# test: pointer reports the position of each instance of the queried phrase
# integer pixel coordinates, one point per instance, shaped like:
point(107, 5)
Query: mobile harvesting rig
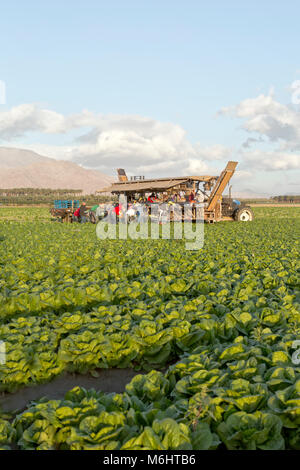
point(216, 206)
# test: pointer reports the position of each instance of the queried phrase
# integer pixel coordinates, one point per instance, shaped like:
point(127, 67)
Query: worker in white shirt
point(130, 213)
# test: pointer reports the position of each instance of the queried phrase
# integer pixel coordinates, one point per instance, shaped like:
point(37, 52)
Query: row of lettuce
point(236, 401)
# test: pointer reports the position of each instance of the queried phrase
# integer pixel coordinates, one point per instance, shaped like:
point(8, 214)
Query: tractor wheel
point(244, 214)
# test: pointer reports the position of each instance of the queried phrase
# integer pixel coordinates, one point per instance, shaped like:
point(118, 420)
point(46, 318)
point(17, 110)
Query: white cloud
point(241, 175)
point(198, 167)
point(214, 152)
point(269, 118)
point(271, 161)
point(28, 117)
point(271, 122)
point(136, 143)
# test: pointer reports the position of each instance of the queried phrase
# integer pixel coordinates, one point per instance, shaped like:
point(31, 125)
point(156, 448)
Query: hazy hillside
point(26, 169)
point(14, 157)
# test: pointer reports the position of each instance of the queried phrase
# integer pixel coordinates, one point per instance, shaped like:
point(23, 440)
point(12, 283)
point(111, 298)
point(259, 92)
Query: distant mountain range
point(26, 169)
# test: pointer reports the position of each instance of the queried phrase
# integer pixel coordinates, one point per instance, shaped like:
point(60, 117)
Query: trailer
point(63, 211)
point(180, 189)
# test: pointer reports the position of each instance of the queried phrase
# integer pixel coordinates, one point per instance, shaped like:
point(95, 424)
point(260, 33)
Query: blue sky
point(164, 62)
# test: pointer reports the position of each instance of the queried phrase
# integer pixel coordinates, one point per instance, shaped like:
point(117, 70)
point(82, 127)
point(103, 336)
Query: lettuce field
point(211, 335)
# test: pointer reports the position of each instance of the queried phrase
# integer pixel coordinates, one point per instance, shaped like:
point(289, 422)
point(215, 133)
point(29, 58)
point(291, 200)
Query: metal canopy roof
point(152, 184)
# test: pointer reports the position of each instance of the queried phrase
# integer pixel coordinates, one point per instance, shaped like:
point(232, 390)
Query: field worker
point(92, 214)
point(192, 197)
point(77, 214)
point(130, 213)
point(100, 212)
point(94, 208)
point(182, 195)
point(160, 213)
point(199, 196)
point(164, 212)
point(151, 198)
point(83, 213)
point(142, 213)
point(138, 210)
point(117, 209)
